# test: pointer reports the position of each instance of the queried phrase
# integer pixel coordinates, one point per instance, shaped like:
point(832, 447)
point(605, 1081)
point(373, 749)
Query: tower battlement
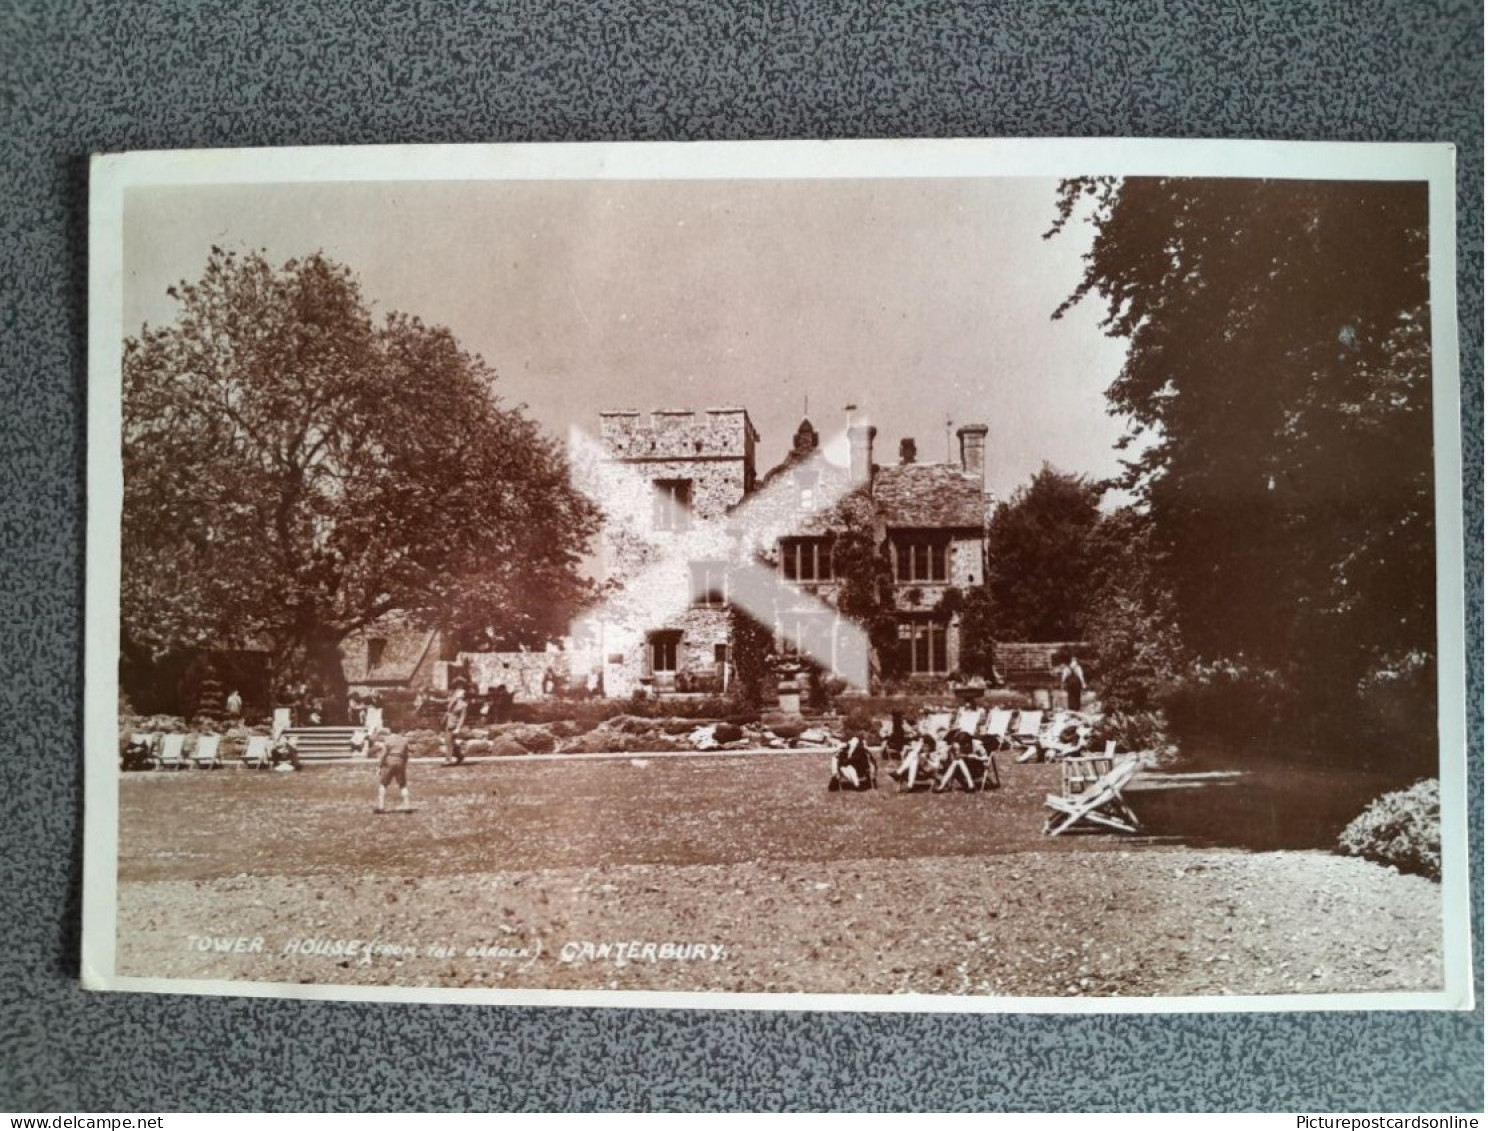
point(679, 434)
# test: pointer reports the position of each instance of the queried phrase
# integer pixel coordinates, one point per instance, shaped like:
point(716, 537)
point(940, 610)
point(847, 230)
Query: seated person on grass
point(285, 752)
point(1063, 741)
point(852, 766)
point(137, 753)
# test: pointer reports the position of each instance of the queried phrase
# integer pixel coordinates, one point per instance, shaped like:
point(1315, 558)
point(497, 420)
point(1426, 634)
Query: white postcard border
point(111, 175)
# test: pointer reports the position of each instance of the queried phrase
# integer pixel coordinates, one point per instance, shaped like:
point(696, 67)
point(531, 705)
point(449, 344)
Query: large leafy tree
point(1038, 569)
point(1127, 616)
point(295, 470)
point(1278, 382)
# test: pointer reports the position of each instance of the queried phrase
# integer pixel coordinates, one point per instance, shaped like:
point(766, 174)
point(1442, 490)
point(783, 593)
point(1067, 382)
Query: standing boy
point(392, 767)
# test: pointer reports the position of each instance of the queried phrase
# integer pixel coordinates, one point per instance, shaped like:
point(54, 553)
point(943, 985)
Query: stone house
point(693, 530)
point(392, 655)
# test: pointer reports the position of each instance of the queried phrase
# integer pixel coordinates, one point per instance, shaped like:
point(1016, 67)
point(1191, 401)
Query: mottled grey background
point(78, 78)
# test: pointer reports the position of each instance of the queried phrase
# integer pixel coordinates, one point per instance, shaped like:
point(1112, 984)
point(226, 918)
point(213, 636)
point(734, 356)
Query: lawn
point(507, 870)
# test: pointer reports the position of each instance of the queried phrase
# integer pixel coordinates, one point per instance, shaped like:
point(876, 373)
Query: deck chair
point(171, 753)
point(922, 764)
point(281, 720)
point(994, 733)
point(206, 756)
point(1099, 804)
point(981, 767)
point(1026, 736)
point(968, 719)
point(373, 722)
point(936, 723)
point(1078, 774)
point(256, 752)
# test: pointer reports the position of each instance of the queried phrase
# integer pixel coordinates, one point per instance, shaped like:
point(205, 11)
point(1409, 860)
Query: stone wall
point(523, 672)
point(714, 452)
point(967, 561)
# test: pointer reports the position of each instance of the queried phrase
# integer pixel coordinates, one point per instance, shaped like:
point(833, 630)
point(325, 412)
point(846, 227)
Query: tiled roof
point(929, 494)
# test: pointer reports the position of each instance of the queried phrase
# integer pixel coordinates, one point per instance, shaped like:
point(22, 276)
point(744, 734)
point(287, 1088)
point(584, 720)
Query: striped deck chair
point(206, 756)
point(256, 752)
point(171, 753)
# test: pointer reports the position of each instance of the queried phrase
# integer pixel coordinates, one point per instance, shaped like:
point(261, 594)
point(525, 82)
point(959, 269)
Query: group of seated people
point(946, 760)
point(957, 749)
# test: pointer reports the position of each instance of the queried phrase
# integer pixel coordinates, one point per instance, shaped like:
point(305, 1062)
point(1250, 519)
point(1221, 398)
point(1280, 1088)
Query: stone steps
point(316, 743)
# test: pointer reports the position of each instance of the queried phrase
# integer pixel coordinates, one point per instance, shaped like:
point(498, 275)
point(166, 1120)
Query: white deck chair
point(256, 752)
point(206, 756)
point(171, 753)
point(995, 729)
point(1100, 803)
point(1026, 735)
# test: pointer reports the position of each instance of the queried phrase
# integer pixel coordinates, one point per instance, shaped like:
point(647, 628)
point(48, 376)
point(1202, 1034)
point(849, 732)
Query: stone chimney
point(860, 440)
point(973, 439)
point(907, 450)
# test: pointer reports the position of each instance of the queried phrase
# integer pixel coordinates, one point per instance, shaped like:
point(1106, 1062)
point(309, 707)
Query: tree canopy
point(1278, 387)
point(295, 470)
point(1038, 572)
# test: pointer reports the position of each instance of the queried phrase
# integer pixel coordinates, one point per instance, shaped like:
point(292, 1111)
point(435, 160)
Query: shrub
point(1228, 701)
point(1131, 730)
point(1402, 829)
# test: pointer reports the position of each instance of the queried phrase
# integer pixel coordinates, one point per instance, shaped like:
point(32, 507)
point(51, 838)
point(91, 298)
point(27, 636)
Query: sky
point(920, 301)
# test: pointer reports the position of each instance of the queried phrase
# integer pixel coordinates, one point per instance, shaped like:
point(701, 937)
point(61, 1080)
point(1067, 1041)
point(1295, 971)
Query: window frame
point(708, 579)
point(921, 558)
point(925, 643)
point(671, 508)
point(822, 568)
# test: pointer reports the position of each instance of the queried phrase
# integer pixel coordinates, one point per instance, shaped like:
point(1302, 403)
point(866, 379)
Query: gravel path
point(1149, 921)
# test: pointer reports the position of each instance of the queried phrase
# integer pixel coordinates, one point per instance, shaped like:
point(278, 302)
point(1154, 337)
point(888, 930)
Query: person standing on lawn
point(454, 719)
point(392, 767)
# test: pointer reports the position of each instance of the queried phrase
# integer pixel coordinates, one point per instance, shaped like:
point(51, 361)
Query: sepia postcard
point(885, 575)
